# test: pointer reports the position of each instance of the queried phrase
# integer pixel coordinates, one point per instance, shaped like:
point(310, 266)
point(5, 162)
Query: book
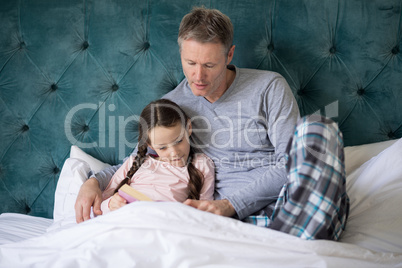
point(131, 194)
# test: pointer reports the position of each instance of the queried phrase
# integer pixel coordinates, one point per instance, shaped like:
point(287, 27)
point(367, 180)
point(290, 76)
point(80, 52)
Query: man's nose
point(198, 73)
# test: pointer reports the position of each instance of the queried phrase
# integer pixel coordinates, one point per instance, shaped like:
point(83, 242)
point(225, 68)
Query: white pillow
point(374, 190)
point(95, 164)
point(355, 156)
point(73, 174)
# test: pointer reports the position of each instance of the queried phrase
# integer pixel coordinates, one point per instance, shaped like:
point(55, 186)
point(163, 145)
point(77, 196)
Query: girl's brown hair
point(163, 113)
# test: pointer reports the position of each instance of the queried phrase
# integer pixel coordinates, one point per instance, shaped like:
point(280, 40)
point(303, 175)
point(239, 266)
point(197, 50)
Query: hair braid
point(138, 161)
point(196, 180)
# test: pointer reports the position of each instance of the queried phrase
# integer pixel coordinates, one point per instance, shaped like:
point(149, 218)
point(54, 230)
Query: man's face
point(204, 65)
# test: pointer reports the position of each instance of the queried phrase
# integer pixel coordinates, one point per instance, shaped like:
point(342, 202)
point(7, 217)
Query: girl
point(176, 173)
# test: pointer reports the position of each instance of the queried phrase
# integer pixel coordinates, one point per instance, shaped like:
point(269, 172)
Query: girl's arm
point(105, 206)
point(112, 203)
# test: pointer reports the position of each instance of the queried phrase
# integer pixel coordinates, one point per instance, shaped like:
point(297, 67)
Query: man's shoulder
point(256, 81)
point(258, 73)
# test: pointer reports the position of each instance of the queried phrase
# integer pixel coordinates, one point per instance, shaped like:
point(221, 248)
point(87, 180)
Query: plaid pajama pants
point(313, 204)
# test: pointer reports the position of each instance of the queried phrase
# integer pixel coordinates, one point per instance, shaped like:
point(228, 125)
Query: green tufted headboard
point(80, 71)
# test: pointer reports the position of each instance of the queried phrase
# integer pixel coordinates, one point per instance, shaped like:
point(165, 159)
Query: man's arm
point(219, 207)
point(90, 194)
point(104, 176)
point(262, 191)
point(282, 114)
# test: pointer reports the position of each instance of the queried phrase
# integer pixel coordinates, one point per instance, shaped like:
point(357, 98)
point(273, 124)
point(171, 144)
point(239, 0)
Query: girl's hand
point(116, 202)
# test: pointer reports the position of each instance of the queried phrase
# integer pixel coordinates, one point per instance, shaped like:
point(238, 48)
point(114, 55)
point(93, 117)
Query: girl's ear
point(189, 127)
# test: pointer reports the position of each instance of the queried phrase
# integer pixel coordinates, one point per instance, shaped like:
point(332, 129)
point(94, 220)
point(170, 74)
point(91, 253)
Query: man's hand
point(88, 196)
point(218, 207)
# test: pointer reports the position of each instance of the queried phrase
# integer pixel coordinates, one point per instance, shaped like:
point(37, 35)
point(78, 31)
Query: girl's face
point(171, 143)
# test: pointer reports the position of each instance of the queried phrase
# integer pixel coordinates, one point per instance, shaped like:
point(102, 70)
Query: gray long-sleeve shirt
point(245, 132)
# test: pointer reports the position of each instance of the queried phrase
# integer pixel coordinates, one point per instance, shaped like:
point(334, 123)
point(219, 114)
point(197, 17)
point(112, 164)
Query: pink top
point(161, 181)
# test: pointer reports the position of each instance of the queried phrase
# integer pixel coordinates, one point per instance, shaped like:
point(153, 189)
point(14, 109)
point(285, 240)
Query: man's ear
point(230, 55)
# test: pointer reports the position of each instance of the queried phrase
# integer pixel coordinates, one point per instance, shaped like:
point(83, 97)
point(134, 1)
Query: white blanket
point(149, 234)
point(166, 234)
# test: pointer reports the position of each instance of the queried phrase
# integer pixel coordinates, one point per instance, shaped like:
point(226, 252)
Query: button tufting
point(332, 50)
point(146, 45)
point(391, 135)
point(54, 87)
point(56, 170)
point(27, 209)
point(115, 87)
point(360, 91)
point(300, 92)
point(22, 45)
point(395, 50)
point(85, 45)
point(270, 47)
point(25, 128)
point(85, 128)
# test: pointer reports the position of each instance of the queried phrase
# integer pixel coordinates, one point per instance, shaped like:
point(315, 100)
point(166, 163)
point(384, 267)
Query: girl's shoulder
point(201, 156)
point(149, 160)
point(201, 159)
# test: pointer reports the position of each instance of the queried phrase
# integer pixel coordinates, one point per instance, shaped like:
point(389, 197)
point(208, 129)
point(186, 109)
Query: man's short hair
point(206, 25)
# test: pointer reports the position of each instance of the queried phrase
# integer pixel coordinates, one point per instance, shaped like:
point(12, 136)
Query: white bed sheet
point(16, 227)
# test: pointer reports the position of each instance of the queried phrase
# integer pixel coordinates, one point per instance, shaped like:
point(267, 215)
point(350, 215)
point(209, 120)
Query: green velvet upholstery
point(80, 71)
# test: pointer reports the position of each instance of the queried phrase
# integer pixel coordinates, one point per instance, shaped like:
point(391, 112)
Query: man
point(243, 120)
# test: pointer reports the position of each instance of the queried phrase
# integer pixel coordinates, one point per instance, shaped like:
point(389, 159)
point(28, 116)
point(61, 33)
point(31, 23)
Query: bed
point(168, 234)
point(74, 75)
